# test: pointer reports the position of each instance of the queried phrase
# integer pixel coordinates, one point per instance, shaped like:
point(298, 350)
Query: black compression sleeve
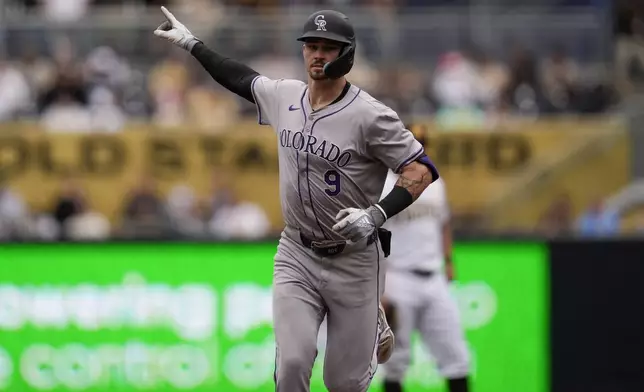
point(231, 74)
point(397, 200)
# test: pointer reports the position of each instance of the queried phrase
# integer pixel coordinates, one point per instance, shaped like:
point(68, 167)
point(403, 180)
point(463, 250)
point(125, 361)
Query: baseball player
point(335, 146)
point(416, 293)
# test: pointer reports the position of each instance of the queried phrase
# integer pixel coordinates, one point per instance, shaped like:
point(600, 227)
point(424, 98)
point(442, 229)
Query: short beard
point(314, 75)
point(318, 75)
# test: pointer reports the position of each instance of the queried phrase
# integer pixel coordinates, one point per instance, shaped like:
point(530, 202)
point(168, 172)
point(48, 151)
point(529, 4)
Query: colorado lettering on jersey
point(312, 145)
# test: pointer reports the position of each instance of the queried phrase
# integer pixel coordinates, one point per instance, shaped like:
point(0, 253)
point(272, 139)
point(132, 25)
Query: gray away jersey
point(333, 158)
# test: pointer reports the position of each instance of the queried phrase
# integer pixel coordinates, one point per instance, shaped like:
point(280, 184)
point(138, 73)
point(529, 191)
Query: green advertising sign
point(197, 317)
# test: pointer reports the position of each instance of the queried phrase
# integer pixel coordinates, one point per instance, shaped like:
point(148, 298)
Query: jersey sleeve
point(391, 143)
point(265, 94)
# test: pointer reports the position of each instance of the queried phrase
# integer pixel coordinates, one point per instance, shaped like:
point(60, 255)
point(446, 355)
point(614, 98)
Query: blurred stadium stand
point(532, 109)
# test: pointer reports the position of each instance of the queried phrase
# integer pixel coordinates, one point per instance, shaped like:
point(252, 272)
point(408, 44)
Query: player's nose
point(318, 60)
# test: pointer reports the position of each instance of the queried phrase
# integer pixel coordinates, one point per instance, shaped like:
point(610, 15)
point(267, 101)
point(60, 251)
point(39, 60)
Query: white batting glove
point(175, 32)
point(356, 224)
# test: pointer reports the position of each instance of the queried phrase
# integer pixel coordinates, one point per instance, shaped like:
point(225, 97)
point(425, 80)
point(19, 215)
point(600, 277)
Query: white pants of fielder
point(424, 304)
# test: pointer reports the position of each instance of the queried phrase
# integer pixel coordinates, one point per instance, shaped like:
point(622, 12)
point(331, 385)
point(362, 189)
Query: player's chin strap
point(341, 65)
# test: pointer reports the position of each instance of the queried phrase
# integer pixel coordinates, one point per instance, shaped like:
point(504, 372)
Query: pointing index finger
point(169, 15)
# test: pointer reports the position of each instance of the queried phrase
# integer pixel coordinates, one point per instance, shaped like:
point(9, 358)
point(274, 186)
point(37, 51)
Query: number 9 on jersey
point(332, 179)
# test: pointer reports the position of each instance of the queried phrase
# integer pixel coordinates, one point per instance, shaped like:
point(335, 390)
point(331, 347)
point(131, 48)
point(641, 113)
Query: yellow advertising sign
point(481, 167)
point(477, 166)
point(108, 166)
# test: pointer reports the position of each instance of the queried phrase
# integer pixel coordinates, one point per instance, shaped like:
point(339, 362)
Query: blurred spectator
point(64, 10)
point(240, 220)
point(88, 225)
point(40, 72)
point(181, 202)
point(231, 217)
point(410, 96)
point(456, 88)
point(629, 49)
point(103, 67)
point(190, 215)
point(65, 114)
point(523, 95)
point(74, 218)
point(69, 203)
point(14, 213)
point(109, 78)
point(558, 218)
point(68, 87)
point(42, 227)
point(560, 75)
point(599, 221)
point(14, 92)
point(494, 77)
point(455, 83)
point(167, 82)
point(221, 193)
point(144, 214)
point(105, 114)
point(135, 98)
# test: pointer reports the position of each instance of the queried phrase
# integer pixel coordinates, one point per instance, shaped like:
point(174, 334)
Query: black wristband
point(397, 200)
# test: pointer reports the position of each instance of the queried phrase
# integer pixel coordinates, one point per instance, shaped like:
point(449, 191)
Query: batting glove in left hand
point(356, 224)
point(175, 32)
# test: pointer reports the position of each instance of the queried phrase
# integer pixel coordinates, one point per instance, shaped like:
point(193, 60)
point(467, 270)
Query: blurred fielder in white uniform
point(416, 289)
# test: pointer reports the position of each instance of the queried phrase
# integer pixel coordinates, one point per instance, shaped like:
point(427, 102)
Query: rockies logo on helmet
point(320, 23)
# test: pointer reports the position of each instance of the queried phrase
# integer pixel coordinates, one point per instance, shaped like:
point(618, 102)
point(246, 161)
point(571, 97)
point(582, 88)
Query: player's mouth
point(317, 67)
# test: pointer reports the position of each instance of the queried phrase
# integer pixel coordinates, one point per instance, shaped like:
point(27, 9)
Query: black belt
point(329, 248)
point(422, 273)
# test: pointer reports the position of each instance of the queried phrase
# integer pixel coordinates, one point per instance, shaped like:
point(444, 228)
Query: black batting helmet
point(334, 26)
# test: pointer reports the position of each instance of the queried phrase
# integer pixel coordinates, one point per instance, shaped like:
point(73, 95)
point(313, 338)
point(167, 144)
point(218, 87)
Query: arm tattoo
point(414, 186)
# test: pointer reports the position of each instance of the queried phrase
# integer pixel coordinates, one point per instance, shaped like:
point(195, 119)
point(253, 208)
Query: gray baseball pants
point(347, 289)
